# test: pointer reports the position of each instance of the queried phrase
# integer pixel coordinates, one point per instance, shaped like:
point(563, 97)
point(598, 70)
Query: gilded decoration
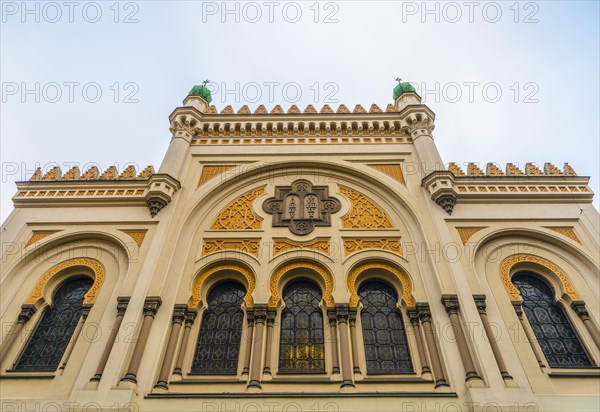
point(137, 235)
point(513, 292)
point(301, 207)
point(322, 245)
point(250, 246)
point(276, 297)
point(568, 232)
point(407, 297)
point(364, 213)
point(197, 288)
point(89, 297)
point(210, 171)
point(392, 170)
point(352, 245)
point(239, 215)
point(465, 233)
point(36, 236)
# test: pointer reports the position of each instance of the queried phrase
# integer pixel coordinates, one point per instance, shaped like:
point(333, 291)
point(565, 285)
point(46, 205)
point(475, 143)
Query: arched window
point(302, 348)
point(550, 324)
point(218, 348)
point(48, 343)
point(386, 348)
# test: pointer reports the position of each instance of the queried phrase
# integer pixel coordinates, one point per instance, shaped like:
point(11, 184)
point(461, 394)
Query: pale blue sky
point(174, 45)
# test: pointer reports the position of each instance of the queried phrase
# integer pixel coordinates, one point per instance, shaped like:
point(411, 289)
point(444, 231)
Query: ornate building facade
point(302, 261)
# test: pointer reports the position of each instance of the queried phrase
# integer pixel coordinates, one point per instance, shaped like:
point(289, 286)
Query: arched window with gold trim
point(47, 344)
point(553, 330)
point(386, 347)
point(218, 348)
point(302, 341)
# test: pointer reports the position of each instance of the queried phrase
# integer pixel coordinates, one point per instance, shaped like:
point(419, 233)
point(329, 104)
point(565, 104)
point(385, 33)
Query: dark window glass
point(218, 348)
point(386, 348)
point(302, 347)
point(48, 343)
point(550, 324)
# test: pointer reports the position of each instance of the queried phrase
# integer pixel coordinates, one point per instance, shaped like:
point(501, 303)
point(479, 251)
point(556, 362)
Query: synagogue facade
point(302, 260)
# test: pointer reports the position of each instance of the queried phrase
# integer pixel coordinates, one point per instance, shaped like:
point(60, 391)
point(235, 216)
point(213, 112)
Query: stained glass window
point(48, 343)
point(386, 347)
point(550, 324)
point(302, 348)
point(218, 348)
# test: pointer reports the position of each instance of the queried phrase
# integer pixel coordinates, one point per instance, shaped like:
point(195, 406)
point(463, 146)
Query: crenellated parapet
point(94, 188)
point(530, 169)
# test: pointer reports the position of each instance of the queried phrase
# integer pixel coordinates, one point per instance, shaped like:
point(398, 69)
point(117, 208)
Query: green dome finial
point(202, 91)
point(402, 87)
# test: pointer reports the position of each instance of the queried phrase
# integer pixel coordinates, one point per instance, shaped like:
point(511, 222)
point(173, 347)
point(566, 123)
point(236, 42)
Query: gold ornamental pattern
point(197, 288)
point(352, 245)
point(326, 276)
point(322, 245)
point(407, 297)
point(239, 215)
point(211, 171)
point(250, 246)
point(364, 213)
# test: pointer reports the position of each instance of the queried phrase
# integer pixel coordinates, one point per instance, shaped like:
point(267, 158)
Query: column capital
point(518, 308)
point(352, 312)
point(179, 312)
point(271, 315)
point(579, 308)
point(122, 303)
point(190, 316)
point(343, 312)
point(151, 305)
point(27, 311)
point(332, 316)
point(424, 312)
point(450, 302)
point(260, 313)
point(413, 316)
point(480, 304)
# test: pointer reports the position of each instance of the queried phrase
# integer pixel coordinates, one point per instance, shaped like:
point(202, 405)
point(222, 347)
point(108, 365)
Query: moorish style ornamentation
point(364, 213)
point(513, 292)
point(301, 207)
point(326, 276)
point(407, 297)
point(392, 170)
point(92, 293)
point(465, 233)
point(239, 215)
point(566, 231)
point(250, 246)
point(197, 288)
point(352, 245)
point(36, 236)
point(322, 245)
point(211, 171)
point(137, 235)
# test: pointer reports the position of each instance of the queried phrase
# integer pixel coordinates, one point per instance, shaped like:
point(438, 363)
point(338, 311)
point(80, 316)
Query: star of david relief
point(301, 207)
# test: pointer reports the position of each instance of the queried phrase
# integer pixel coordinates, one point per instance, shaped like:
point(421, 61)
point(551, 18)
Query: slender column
point(353, 339)
point(27, 311)
point(579, 307)
point(452, 307)
point(481, 308)
point(345, 351)
point(260, 317)
point(413, 315)
point(151, 305)
point(335, 360)
point(528, 333)
point(190, 316)
point(271, 313)
point(75, 336)
point(436, 364)
point(177, 320)
point(122, 303)
point(249, 339)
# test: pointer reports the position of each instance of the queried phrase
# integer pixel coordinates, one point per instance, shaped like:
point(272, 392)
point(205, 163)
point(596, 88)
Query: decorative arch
point(326, 276)
point(513, 292)
point(89, 297)
point(407, 297)
point(197, 288)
